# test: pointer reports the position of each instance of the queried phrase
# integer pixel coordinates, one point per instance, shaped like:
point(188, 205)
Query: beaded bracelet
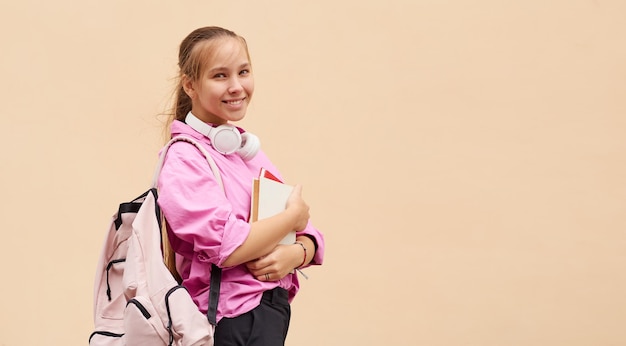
point(304, 258)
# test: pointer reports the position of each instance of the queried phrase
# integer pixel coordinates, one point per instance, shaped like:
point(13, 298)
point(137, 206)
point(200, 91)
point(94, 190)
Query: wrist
point(304, 255)
point(292, 215)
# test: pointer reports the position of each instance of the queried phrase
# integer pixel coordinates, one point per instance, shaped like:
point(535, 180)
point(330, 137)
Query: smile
point(234, 102)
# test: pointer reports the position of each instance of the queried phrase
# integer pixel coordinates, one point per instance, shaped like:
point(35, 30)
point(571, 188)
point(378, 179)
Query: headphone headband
point(198, 125)
point(226, 139)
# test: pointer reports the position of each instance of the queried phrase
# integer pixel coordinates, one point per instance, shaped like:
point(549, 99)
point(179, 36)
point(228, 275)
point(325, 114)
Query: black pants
point(265, 325)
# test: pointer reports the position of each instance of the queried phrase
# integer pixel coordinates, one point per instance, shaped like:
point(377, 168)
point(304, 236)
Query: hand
point(298, 206)
point(277, 264)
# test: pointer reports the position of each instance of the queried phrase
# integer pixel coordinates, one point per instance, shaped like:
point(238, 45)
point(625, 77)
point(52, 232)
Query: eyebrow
point(222, 68)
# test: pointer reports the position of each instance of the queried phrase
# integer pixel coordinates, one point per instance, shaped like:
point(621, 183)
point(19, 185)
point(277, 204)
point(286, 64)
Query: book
point(269, 197)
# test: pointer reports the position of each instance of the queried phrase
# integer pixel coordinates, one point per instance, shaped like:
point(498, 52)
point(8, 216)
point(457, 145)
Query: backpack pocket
point(104, 338)
point(142, 324)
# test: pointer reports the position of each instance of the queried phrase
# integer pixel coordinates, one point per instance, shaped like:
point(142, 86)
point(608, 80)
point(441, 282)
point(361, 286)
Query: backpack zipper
point(109, 267)
point(101, 332)
point(141, 308)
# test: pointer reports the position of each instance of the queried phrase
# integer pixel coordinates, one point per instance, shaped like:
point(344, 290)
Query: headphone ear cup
point(226, 139)
point(250, 146)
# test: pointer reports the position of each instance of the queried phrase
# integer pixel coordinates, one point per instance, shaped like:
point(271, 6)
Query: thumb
point(297, 190)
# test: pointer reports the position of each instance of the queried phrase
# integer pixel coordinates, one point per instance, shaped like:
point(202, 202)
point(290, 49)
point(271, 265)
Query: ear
point(189, 87)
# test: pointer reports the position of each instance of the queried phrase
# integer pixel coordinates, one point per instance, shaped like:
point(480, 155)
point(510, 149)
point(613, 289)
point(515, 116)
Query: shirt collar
point(180, 128)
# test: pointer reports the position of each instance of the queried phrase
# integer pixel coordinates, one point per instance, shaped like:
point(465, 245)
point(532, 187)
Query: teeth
point(235, 102)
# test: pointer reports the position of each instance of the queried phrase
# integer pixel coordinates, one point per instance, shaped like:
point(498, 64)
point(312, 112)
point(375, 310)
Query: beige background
point(465, 159)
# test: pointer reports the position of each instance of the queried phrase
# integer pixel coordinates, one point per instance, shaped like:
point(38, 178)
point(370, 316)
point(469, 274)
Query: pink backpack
point(137, 300)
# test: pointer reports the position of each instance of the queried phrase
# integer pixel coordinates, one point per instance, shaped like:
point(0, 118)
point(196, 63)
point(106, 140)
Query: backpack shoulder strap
point(159, 166)
point(216, 272)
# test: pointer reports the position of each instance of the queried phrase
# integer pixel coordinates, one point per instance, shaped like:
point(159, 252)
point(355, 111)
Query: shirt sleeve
point(196, 209)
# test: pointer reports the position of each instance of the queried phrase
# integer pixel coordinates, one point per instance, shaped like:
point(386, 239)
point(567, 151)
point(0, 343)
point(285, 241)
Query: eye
point(244, 72)
point(219, 75)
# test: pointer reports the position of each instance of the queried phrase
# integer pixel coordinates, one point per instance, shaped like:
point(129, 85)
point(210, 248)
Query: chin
point(236, 117)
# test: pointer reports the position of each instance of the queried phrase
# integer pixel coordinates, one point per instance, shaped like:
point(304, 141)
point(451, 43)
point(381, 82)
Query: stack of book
point(269, 197)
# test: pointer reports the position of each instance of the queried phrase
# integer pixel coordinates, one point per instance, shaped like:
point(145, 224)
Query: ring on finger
point(267, 276)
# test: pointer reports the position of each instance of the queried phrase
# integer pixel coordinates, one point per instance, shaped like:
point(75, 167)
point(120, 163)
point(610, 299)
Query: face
point(223, 91)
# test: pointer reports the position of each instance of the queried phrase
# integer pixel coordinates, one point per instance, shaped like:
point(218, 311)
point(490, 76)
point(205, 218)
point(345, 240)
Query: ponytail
point(182, 105)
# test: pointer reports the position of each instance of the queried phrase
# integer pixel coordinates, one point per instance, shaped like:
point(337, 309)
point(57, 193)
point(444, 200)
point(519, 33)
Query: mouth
point(234, 102)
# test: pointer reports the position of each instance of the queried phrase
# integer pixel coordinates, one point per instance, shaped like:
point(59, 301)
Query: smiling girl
point(209, 226)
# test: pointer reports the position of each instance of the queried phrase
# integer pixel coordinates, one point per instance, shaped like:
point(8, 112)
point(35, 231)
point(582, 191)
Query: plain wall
point(465, 159)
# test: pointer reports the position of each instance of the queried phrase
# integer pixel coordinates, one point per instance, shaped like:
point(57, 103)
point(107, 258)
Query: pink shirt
point(206, 226)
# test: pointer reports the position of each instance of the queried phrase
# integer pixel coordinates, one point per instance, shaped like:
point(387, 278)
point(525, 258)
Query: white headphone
point(226, 139)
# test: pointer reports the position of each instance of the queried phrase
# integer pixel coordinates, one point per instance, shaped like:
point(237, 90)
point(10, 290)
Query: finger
point(259, 265)
point(263, 277)
point(298, 188)
point(259, 262)
point(253, 265)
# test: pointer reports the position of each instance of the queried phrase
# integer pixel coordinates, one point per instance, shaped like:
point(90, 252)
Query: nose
point(235, 86)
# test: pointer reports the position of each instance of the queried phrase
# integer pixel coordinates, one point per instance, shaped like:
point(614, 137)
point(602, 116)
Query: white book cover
point(272, 199)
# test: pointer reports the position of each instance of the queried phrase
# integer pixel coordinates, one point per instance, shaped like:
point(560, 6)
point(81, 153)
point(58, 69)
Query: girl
point(207, 226)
